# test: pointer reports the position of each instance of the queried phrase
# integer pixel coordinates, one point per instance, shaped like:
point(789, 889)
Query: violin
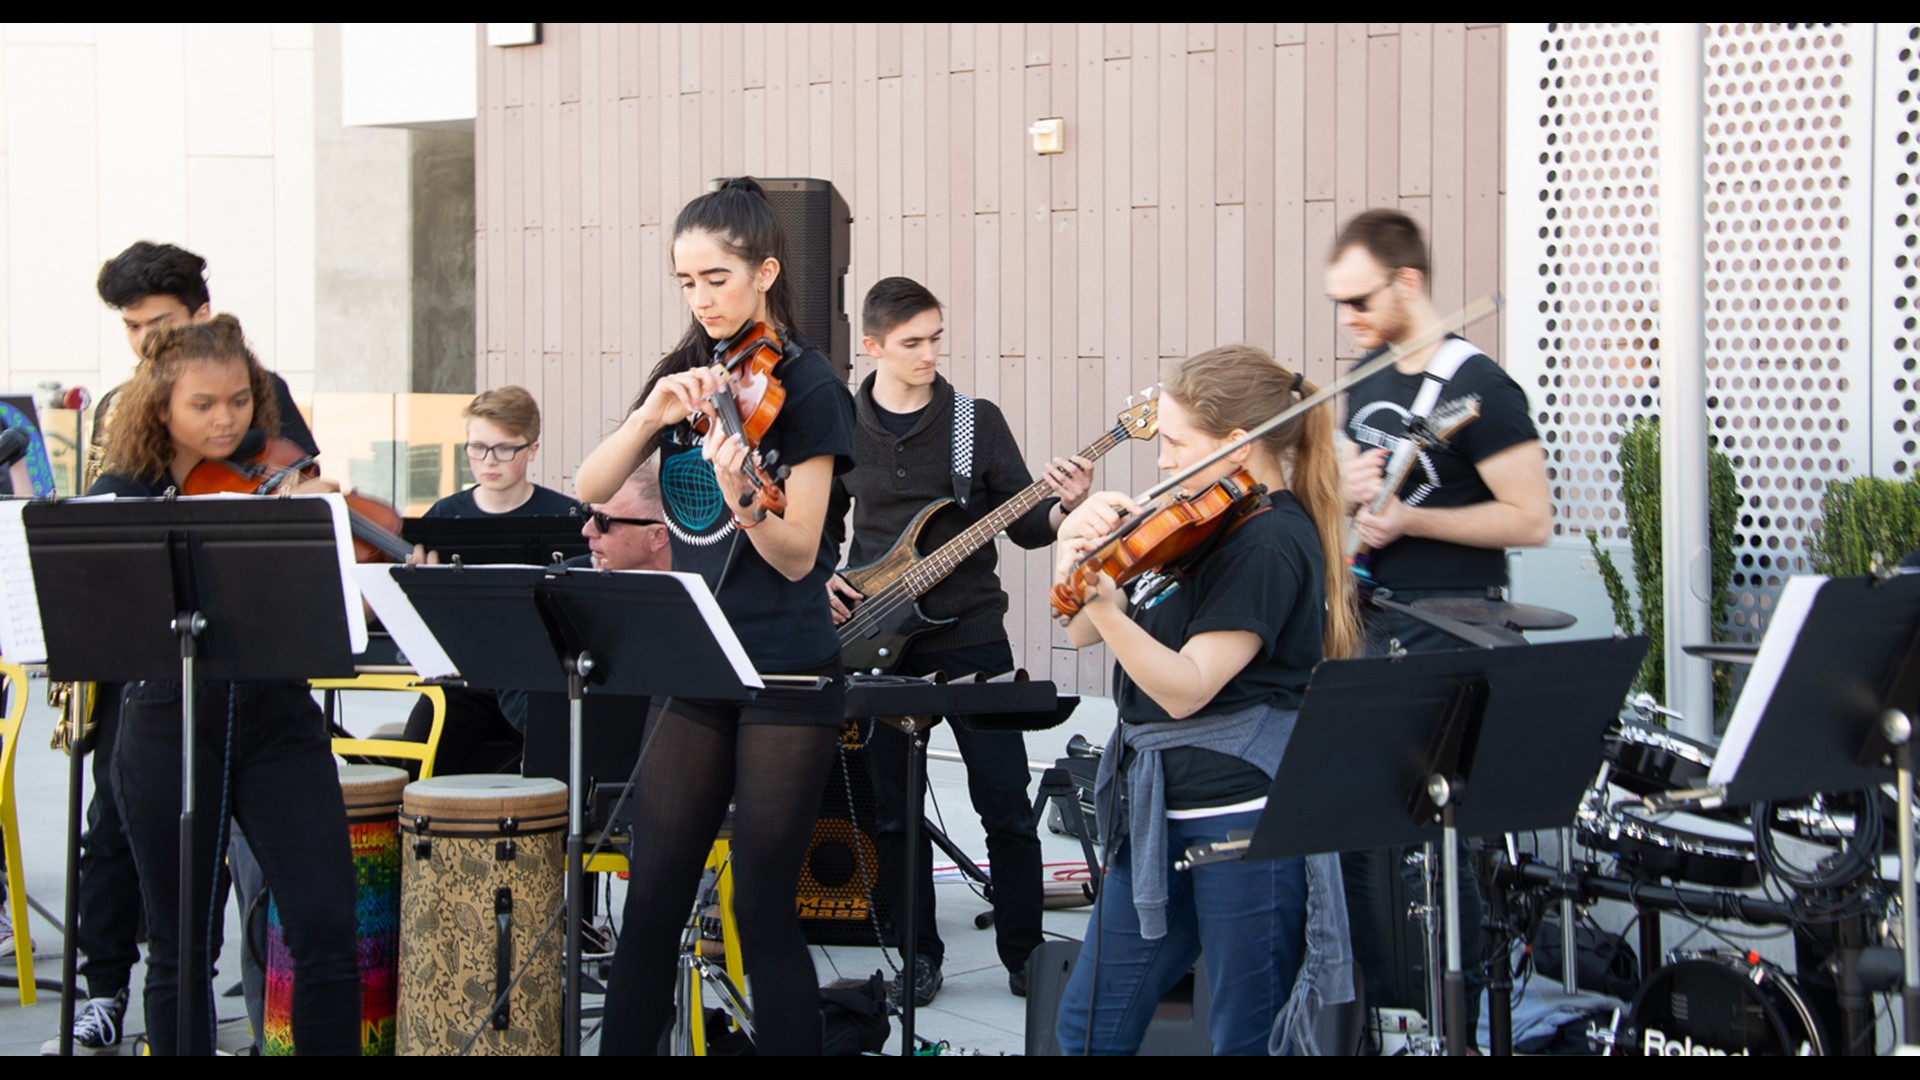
point(748, 401)
point(1182, 526)
point(265, 463)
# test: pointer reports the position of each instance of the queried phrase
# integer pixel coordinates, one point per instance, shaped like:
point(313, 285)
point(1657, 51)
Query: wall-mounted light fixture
point(502, 35)
point(1049, 135)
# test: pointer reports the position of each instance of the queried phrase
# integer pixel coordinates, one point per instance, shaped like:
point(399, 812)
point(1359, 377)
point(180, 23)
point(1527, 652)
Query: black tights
point(774, 774)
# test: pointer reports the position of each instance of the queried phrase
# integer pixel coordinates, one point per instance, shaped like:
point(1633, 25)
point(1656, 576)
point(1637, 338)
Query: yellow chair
point(15, 678)
point(393, 748)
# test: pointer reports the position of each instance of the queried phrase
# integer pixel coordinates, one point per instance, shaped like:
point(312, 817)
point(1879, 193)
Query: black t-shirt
point(898, 423)
point(1377, 411)
point(785, 625)
point(1267, 577)
point(130, 487)
point(545, 502)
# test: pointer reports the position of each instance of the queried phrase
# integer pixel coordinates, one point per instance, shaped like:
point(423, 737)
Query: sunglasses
point(1359, 303)
point(605, 522)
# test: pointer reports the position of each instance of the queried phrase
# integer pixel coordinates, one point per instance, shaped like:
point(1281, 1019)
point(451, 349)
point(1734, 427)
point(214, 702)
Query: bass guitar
point(1422, 436)
point(882, 626)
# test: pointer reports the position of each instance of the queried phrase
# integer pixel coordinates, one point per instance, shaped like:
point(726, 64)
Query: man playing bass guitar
point(917, 440)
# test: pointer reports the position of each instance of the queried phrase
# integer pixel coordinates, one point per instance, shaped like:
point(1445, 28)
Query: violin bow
point(1454, 323)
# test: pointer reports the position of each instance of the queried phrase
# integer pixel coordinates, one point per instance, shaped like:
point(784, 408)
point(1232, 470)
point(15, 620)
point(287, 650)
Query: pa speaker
point(818, 228)
point(839, 894)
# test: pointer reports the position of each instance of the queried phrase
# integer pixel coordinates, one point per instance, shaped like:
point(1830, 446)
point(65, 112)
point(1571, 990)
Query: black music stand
point(532, 541)
point(198, 589)
point(1830, 706)
point(1010, 702)
point(1416, 748)
point(632, 633)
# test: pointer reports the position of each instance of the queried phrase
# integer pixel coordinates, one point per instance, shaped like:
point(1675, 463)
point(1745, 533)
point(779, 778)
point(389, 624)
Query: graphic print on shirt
point(696, 507)
point(1366, 434)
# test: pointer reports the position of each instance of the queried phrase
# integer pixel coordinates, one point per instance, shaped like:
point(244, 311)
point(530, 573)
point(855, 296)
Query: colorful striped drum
point(372, 794)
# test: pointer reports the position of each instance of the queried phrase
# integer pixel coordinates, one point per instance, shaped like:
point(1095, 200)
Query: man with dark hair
point(154, 285)
point(151, 286)
point(1446, 530)
point(905, 455)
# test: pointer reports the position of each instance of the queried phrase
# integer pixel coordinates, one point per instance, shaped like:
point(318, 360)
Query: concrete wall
point(200, 135)
point(442, 262)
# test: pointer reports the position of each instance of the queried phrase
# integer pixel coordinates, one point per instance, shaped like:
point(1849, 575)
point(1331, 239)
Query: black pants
point(477, 737)
point(283, 788)
point(1364, 891)
point(997, 778)
point(773, 770)
point(109, 904)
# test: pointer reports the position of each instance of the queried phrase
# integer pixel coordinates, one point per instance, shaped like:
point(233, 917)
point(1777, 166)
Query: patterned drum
point(482, 874)
point(372, 794)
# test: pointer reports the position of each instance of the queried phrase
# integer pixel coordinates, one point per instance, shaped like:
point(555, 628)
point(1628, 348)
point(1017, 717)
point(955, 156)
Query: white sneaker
point(96, 1027)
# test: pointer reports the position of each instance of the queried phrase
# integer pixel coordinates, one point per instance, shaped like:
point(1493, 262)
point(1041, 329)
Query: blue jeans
point(1249, 918)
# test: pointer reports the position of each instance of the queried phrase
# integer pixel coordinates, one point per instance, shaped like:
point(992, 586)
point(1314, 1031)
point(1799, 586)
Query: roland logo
point(1654, 1043)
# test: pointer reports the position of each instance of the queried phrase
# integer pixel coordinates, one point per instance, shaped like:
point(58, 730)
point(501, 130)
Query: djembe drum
point(483, 866)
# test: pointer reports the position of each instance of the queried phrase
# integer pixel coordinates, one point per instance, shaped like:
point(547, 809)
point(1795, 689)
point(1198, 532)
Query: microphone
point(76, 398)
point(14, 444)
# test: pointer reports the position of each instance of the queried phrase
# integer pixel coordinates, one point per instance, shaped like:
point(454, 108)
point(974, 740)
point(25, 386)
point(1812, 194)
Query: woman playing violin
point(1212, 656)
point(262, 753)
point(770, 756)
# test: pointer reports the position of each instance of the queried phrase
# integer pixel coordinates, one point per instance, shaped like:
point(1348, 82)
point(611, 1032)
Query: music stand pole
point(188, 625)
point(578, 667)
point(910, 865)
point(69, 946)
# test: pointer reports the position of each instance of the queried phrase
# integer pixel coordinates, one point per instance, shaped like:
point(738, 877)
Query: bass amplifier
point(839, 898)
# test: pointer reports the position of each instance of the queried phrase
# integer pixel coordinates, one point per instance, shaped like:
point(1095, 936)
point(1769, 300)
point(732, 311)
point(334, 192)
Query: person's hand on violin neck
point(1098, 516)
point(728, 453)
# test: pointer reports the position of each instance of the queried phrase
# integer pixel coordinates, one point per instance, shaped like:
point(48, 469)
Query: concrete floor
point(974, 1013)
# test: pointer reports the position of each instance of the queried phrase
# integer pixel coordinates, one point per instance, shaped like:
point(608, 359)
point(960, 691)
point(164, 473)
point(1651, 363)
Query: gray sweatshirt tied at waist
point(1258, 736)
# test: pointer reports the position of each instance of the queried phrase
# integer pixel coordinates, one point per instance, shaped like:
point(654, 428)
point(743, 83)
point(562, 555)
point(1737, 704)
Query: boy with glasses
point(503, 435)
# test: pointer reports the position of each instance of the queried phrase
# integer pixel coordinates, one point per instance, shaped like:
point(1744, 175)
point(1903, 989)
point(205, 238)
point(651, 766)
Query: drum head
point(372, 787)
point(1717, 1004)
point(469, 803)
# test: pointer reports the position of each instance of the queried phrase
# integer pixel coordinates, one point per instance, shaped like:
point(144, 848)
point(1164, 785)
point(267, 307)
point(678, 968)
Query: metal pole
point(580, 667)
point(1683, 433)
point(69, 933)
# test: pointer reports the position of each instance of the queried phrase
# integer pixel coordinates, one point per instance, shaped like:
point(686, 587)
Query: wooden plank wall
point(1207, 168)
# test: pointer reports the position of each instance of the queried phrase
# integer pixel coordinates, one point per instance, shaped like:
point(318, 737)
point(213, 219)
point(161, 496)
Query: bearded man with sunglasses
point(503, 438)
point(1447, 529)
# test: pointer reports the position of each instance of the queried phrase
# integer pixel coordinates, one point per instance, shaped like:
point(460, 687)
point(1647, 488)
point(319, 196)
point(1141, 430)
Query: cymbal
point(1478, 612)
point(1724, 652)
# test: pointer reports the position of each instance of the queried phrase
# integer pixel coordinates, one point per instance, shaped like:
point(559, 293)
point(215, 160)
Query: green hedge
point(1861, 519)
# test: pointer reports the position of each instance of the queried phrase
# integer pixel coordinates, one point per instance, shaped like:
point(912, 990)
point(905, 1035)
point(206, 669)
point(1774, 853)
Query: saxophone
point(75, 701)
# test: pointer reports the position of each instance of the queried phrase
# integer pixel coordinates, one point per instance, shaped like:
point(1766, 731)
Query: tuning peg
point(1129, 401)
point(1146, 391)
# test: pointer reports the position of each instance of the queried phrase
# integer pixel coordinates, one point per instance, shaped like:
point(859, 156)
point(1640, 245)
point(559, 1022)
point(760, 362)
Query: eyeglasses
point(1359, 303)
point(605, 522)
point(498, 452)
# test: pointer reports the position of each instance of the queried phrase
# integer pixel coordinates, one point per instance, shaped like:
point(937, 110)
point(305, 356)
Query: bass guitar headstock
point(1140, 421)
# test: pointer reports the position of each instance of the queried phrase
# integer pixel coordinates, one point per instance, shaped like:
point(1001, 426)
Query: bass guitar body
point(877, 637)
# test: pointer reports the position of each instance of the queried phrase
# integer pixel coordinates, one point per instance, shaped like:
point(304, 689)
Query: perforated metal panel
point(1896, 256)
point(1788, 160)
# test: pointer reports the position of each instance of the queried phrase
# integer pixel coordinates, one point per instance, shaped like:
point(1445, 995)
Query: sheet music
point(1783, 629)
point(343, 539)
point(399, 616)
point(22, 638)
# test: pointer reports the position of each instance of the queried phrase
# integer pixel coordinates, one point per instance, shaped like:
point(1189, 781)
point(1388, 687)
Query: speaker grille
point(816, 222)
point(839, 894)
